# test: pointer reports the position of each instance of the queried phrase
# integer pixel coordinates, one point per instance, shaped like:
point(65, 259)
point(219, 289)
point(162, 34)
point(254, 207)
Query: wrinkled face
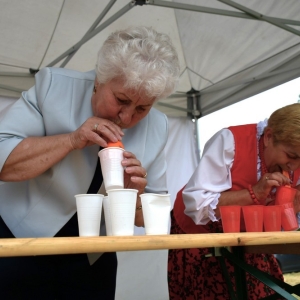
point(122, 106)
point(285, 156)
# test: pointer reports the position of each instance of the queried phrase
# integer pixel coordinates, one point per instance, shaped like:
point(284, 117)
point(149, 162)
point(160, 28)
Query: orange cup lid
point(115, 144)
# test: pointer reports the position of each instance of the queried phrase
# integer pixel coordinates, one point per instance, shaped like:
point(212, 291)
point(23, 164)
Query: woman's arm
point(212, 177)
point(34, 155)
point(241, 197)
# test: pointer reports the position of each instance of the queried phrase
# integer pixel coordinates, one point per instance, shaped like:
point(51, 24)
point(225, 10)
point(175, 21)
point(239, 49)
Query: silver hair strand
point(145, 59)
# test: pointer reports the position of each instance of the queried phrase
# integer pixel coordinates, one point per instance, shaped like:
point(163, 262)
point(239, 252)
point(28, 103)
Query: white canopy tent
point(228, 51)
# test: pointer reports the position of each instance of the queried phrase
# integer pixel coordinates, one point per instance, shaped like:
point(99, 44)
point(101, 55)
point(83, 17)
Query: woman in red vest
point(236, 164)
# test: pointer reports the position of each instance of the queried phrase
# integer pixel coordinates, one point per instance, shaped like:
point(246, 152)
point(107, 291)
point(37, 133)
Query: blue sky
point(251, 110)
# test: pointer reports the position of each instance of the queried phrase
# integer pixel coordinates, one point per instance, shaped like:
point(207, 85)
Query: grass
point(292, 279)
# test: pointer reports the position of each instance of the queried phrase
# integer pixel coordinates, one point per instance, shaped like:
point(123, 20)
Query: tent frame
point(193, 97)
point(94, 30)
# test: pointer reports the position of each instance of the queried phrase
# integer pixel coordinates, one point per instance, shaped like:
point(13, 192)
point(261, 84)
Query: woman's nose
point(294, 165)
point(126, 115)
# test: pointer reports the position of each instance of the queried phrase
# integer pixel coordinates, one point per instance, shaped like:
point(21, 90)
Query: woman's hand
point(95, 131)
point(269, 180)
point(135, 178)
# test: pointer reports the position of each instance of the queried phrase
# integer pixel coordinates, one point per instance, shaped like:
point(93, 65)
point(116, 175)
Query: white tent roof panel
point(26, 28)
point(225, 57)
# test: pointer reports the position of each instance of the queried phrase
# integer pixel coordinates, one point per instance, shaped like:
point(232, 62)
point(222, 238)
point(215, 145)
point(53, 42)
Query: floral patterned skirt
point(193, 276)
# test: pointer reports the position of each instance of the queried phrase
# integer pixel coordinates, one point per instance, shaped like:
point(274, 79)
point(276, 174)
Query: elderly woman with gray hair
point(49, 141)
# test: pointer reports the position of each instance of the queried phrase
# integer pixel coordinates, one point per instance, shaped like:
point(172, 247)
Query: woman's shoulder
point(156, 117)
point(221, 134)
point(68, 73)
point(222, 139)
point(155, 113)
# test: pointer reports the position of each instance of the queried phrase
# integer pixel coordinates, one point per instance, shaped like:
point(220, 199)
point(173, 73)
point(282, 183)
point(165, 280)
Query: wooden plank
point(72, 245)
point(272, 249)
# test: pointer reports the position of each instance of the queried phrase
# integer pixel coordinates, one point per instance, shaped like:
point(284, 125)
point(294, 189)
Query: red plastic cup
point(272, 217)
point(231, 218)
point(284, 194)
point(288, 217)
point(253, 216)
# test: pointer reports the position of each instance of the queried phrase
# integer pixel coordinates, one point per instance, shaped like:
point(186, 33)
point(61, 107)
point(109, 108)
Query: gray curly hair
point(145, 59)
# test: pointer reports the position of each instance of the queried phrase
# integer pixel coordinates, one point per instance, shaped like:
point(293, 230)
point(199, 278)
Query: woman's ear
point(95, 87)
point(268, 136)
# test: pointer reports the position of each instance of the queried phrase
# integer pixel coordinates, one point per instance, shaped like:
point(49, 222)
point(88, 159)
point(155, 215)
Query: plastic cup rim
point(84, 195)
point(285, 187)
point(276, 206)
point(154, 194)
point(127, 190)
point(251, 206)
point(111, 148)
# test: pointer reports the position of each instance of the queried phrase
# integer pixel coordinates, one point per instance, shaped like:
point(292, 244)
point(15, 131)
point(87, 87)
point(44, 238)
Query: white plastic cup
point(89, 207)
point(106, 206)
point(156, 212)
point(112, 169)
point(122, 204)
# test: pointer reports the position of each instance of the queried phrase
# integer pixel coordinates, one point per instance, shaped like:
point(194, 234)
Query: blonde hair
point(285, 125)
point(145, 59)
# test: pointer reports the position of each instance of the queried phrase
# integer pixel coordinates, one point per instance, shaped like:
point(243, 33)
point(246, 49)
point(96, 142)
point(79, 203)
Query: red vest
point(243, 173)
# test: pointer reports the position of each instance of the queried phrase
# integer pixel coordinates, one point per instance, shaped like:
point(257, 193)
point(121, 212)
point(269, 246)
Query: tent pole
point(250, 80)
point(216, 11)
point(193, 103)
point(16, 74)
point(94, 25)
point(239, 85)
point(91, 34)
point(174, 107)
point(196, 124)
point(10, 88)
point(259, 16)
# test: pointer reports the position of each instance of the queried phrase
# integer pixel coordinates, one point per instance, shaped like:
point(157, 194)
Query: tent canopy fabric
point(228, 50)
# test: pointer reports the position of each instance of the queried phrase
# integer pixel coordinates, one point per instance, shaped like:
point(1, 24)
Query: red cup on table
point(231, 218)
point(253, 216)
point(272, 217)
point(285, 194)
point(288, 217)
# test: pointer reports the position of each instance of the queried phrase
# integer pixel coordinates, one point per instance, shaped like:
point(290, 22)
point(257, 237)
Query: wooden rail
point(72, 245)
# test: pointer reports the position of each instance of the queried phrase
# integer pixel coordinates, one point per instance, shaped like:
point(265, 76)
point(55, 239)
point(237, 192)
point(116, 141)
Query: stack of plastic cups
point(106, 207)
point(119, 206)
point(272, 218)
point(112, 169)
point(253, 216)
point(231, 218)
point(122, 204)
point(89, 208)
point(156, 213)
point(285, 198)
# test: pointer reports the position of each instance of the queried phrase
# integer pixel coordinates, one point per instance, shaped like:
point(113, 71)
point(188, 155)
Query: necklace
point(263, 167)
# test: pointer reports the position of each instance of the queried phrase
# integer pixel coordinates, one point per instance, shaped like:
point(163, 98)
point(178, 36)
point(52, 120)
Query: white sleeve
point(212, 176)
